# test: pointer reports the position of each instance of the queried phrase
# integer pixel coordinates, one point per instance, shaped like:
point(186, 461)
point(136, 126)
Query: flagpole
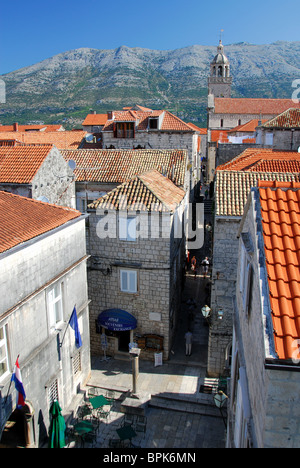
point(60, 344)
point(10, 383)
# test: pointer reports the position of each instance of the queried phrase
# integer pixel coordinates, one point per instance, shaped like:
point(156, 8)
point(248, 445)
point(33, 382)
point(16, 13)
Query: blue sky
point(32, 30)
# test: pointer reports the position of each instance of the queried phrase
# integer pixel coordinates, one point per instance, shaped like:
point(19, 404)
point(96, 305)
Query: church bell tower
point(219, 81)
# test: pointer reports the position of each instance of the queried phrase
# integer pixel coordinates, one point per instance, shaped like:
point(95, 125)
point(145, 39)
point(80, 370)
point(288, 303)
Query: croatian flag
point(16, 377)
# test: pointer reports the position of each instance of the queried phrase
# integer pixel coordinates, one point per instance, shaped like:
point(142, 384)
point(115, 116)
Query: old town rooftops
point(146, 192)
point(22, 219)
point(119, 165)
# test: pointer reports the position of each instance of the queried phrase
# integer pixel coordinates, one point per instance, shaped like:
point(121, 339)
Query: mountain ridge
point(66, 86)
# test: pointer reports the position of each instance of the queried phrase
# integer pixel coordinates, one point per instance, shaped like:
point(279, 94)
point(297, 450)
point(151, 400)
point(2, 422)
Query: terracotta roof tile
point(253, 106)
point(250, 159)
point(288, 119)
point(147, 192)
point(22, 219)
point(64, 139)
point(280, 211)
point(247, 127)
point(169, 121)
point(95, 119)
point(118, 166)
point(232, 189)
point(19, 164)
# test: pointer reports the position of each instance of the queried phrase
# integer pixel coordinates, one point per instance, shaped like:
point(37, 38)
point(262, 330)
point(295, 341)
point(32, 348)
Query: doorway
point(17, 430)
point(123, 341)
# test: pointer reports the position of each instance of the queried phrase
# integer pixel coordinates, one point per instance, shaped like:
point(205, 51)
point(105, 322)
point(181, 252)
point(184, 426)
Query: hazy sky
point(31, 31)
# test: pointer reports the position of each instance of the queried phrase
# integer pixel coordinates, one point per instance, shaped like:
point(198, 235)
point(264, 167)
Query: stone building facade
point(43, 276)
point(231, 191)
point(139, 272)
point(264, 400)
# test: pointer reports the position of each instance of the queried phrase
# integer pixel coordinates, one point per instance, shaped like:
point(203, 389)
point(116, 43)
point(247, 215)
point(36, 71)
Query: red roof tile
point(19, 164)
point(118, 166)
point(147, 192)
point(253, 106)
point(169, 121)
point(64, 139)
point(95, 119)
point(288, 119)
point(22, 219)
point(252, 157)
point(280, 210)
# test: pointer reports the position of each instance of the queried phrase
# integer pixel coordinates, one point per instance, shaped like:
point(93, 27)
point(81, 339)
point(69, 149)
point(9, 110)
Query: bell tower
point(219, 81)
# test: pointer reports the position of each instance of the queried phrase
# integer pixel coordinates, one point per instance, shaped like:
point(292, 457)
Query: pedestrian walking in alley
point(188, 343)
point(205, 265)
point(194, 265)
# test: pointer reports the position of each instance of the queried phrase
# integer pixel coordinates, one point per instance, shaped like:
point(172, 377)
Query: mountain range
point(67, 86)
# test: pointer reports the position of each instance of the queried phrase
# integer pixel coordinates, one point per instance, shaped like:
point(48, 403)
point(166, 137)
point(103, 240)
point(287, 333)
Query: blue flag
point(74, 324)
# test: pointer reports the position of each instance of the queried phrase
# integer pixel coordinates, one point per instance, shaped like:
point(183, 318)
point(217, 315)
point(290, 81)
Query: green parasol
point(57, 427)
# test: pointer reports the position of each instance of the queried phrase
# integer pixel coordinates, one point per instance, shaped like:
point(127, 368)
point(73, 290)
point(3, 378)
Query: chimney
point(16, 127)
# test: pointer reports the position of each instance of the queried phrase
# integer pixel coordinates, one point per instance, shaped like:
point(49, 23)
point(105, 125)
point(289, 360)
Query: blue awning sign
point(117, 320)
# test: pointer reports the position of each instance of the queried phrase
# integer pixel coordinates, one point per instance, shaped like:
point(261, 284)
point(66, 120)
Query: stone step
point(187, 406)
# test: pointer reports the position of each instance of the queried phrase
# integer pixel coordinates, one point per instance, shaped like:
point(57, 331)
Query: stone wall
point(225, 258)
point(29, 273)
point(272, 391)
point(55, 181)
point(158, 263)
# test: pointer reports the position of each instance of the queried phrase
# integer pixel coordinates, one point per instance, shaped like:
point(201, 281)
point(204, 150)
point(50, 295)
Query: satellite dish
point(72, 164)
point(89, 137)
point(43, 199)
point(299, 149)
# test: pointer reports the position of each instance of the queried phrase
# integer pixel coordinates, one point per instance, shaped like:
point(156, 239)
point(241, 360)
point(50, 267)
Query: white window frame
point(55, 299)
point(127, 278)
point(4, 352)
point(127, 228)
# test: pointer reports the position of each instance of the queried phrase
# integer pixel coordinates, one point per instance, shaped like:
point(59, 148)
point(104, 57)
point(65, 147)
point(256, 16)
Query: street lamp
point(220, 398)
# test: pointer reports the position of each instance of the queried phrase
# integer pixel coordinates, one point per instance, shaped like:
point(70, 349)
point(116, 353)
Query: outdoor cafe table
point(82, 428)
point(126, 432)
point(98, 401)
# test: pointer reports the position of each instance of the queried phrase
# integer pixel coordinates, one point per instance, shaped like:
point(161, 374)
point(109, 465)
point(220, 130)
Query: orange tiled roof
point(26, 128)
point(280, 210)
point(95, 119)
point(288, 119)
point(22, 219)
point(202, 131)
point(169, 123)
point(64, 139)
point(252, 157)
point(247, 127)
point(147, 192)
point(220, 136)
point(118, 166)
point(232, 188)
point(253, 106)
point(19, 164)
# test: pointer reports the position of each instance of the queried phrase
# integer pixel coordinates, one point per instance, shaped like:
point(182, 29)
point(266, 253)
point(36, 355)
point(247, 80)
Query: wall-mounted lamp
point(220, 314)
